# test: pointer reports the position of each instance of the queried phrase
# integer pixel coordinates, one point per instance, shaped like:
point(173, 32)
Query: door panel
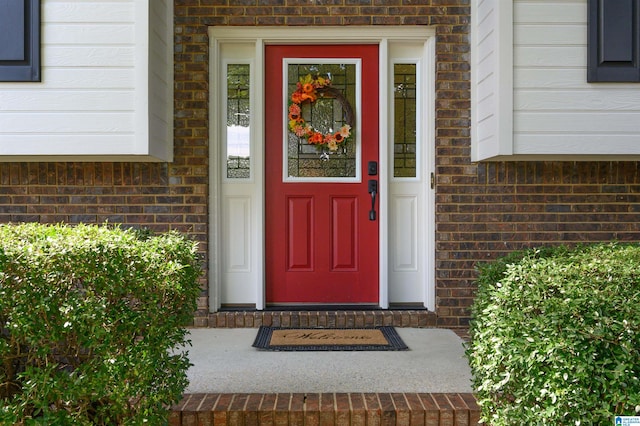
point(321, 246)
point(344, 244)
point(300, 234)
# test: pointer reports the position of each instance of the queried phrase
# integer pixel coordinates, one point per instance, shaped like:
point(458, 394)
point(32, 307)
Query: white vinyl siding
point(160, 71)
point(556, 114)
point(106, 90)
point(491, 74)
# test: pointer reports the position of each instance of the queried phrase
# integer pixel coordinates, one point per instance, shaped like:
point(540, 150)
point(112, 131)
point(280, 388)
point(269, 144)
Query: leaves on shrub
point(88, 318)
point(556, 336)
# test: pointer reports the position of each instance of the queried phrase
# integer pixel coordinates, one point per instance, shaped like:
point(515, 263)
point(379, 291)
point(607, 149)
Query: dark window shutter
point(19, 40)
point(613, 41)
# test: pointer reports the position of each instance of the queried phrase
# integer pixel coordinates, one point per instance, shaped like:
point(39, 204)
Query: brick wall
point(482, 211)
point(486, 210)
point(157, 196)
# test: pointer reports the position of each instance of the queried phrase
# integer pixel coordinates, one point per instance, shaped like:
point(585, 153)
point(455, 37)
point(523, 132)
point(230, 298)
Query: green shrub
point(556, 336)
point(88, 318)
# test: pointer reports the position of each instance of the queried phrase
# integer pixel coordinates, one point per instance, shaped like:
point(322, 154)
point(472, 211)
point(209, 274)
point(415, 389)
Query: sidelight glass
point(405, 120)
point(238, 137)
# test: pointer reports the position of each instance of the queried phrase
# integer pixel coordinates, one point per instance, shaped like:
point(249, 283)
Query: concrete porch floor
point(224, 361)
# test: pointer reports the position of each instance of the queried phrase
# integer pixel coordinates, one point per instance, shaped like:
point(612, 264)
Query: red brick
point(221, 409)
point(358, 410)
point(373, 409)
point(191, 408)
point(416, 410)
point(446, 409)
point(327, 409)
point(175, 418)
point(401, 407)
point(378, 409)
point(205, 411)
point(312, 410)
point(474, 408)
point(342, 409)
point(432, 411)
point(267, 409)
point(389, 415)
point(461, 410)
point(252, 408)
point(283, 408)
point(296, 409)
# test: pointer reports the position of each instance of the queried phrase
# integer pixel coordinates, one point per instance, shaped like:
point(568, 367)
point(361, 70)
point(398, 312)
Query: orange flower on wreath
point(307, 91)
point(295, 112)
point(295, 97)
point(316, 138)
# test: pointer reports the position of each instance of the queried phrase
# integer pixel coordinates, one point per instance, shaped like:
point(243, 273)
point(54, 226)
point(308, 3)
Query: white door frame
point(250, 192)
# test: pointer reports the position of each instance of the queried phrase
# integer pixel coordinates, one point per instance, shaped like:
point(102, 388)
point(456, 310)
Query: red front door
point(321, 126)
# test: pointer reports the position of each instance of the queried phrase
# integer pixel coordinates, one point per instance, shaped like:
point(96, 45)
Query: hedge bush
point(89, 318)
point(556, 336)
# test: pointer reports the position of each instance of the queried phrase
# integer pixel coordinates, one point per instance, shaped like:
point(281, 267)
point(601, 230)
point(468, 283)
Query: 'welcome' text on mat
point(329, 339)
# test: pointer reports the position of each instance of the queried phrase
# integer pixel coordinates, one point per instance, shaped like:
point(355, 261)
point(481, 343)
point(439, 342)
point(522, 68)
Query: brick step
point(353, 409)
point(339, 318)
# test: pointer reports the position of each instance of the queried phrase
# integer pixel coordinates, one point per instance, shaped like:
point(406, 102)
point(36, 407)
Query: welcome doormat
point(329, 339)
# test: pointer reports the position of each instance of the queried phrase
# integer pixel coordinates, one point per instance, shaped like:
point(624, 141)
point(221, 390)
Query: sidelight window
point(238, 113)
point(405, 117)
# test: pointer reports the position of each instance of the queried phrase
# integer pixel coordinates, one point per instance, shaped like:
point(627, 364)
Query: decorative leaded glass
point(405, 116)
point(238, 120)
point(327, 114)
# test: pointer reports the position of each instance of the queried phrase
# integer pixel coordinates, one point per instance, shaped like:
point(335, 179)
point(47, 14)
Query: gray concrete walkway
point(224, 361)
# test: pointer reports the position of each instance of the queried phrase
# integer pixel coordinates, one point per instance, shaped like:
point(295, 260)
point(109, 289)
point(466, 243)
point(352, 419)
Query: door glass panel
point(404, 123)
point(238, 120)
point(320, 129)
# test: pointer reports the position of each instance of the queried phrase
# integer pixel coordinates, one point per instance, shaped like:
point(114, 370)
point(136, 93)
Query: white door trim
point(259, 37)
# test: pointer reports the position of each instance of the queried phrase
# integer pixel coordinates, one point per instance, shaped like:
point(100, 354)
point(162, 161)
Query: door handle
point(373, 190)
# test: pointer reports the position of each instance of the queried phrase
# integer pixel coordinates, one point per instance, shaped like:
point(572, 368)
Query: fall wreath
point(308, 90)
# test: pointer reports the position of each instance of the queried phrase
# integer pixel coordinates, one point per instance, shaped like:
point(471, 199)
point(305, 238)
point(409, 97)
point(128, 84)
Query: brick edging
point(353, 409)
point(329, 319)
